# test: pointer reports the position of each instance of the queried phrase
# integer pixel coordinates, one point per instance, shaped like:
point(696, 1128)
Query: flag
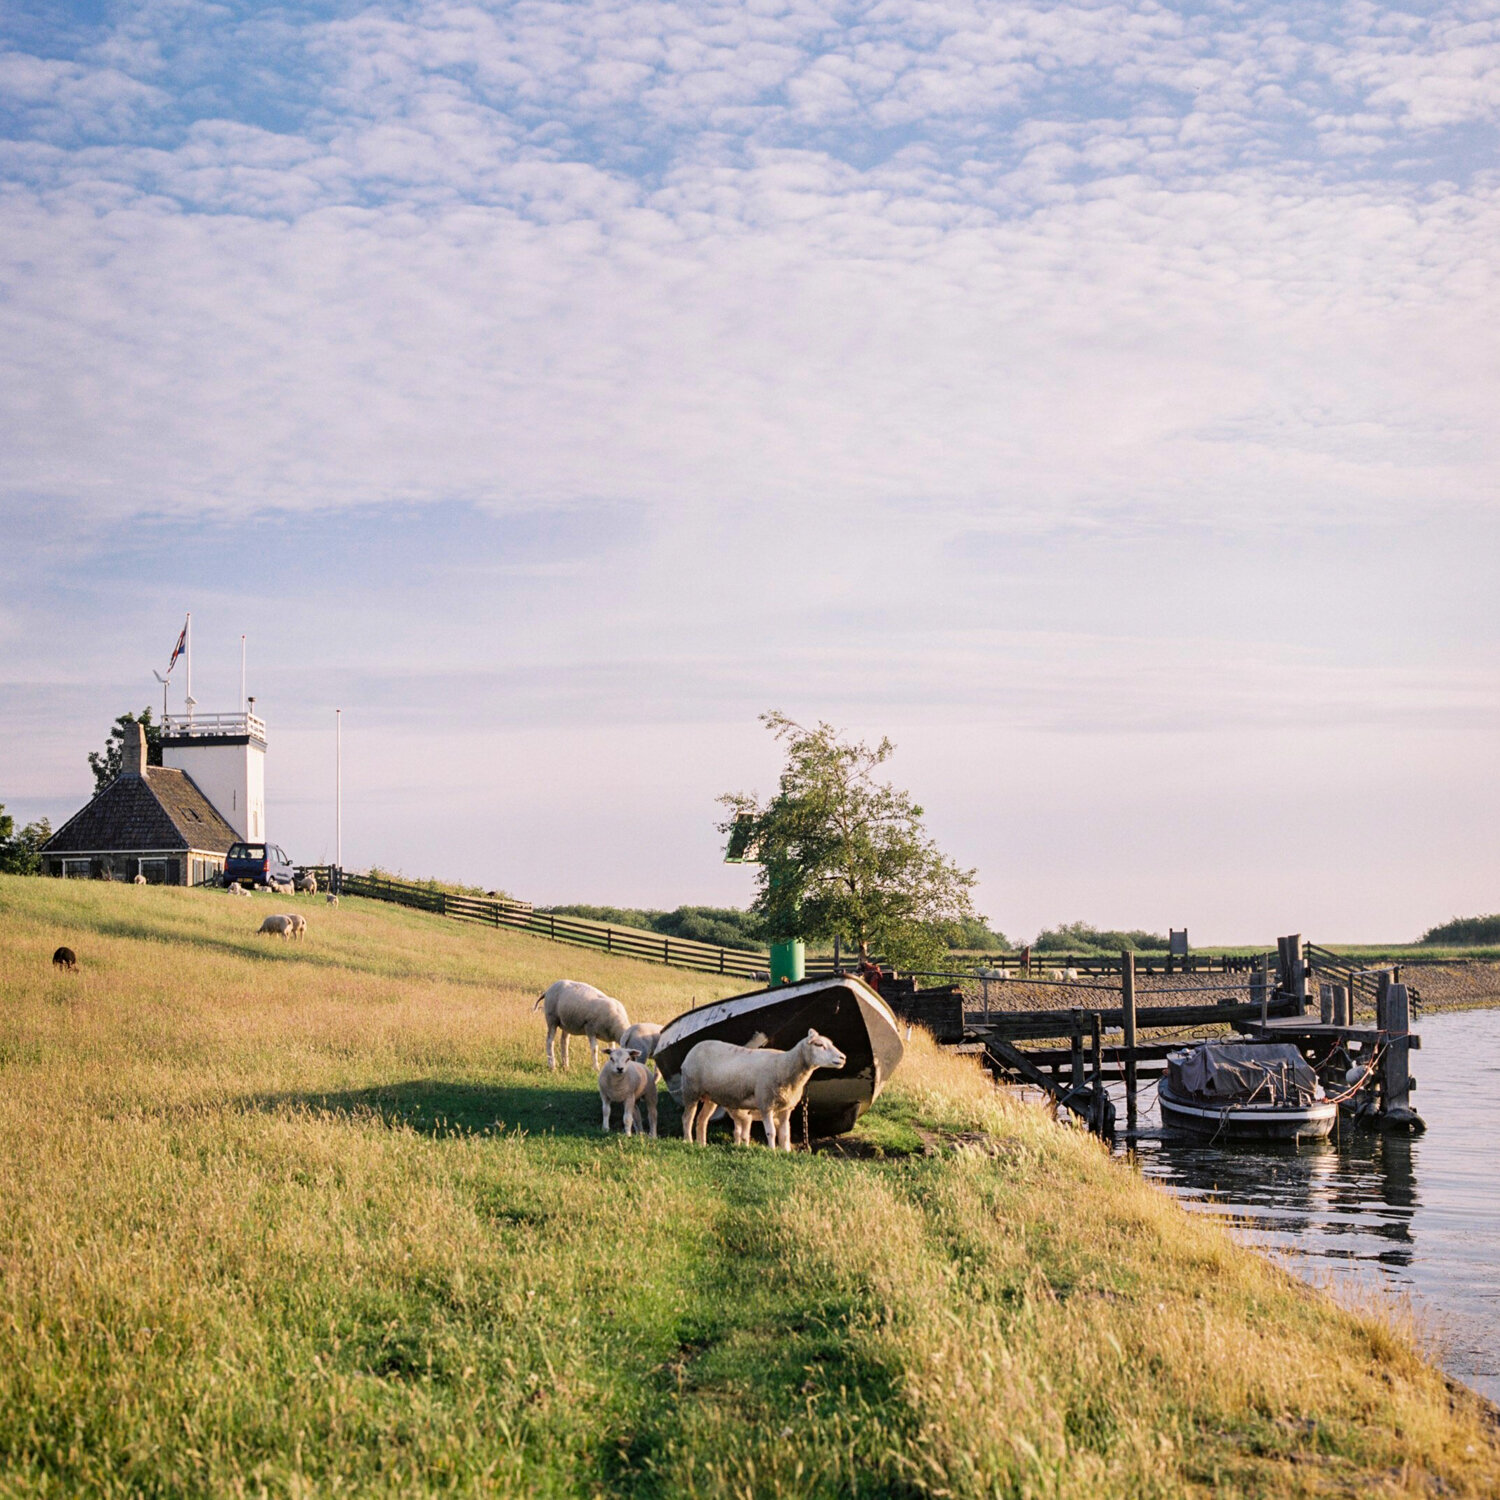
point(179, 648)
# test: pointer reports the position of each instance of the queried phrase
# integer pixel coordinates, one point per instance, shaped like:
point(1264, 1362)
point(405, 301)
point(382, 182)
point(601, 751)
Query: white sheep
point(740, 1079)
point(139, 879)
point(1061, 974)
point(578, 1009)
point(299, 924)
point(280, 926)
point(643, 1036)
point(625, 1081)
point(236, 889)
point(306, 882)
point(332, 899)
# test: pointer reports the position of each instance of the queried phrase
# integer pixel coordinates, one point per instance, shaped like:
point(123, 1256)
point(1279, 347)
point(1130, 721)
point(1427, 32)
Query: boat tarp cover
point(1274, 1071)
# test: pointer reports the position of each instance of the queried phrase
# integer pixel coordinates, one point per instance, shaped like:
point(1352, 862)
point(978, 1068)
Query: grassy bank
point(314, 1219)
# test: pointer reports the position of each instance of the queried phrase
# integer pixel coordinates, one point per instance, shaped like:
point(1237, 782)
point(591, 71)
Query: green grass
point(315, 1219)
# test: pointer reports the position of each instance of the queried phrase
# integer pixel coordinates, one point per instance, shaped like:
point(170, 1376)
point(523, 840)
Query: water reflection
point(1418, 1216)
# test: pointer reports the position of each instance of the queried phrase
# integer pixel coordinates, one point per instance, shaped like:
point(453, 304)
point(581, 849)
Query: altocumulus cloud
point(937, 288)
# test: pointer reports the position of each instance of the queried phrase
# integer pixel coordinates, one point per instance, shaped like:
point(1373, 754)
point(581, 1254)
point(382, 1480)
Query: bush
point(1465, 932)
point(1081, 937)
point(976, 935)
point(725, 926)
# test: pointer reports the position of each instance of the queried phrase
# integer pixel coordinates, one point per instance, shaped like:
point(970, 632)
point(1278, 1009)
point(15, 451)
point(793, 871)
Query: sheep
point(299, 924)
point(624, 1081)
point(278, 925)
point(66, 958)
point(1062, 974)
point(306, 882)
point(643, 1036)
point(578, 1009)
point(332, 899)
point(740, 1079)
point(236, 889)
point(139, 879)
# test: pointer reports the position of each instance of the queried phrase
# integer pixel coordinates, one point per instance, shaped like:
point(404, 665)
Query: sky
point(1100, 400)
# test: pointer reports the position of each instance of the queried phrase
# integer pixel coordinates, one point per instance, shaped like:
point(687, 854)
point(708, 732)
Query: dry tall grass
point(315, 1219)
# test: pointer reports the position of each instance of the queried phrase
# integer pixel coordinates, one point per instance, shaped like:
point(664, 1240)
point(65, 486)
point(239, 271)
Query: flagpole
point(338, 788)
point(243, 707)
point(189, 653)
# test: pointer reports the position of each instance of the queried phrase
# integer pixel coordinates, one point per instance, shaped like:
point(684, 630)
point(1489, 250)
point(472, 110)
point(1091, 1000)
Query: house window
point(77, 869)
point(155, 871)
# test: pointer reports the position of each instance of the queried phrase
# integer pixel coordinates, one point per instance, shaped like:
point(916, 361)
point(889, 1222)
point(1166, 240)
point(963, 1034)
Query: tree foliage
point(1081, 937)
point(1460, 932)
point(843, 855)
point(21, 853)
point(106, 763)
point(725, 926)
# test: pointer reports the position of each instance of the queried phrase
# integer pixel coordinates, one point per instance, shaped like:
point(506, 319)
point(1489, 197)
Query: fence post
point(1127, 1005)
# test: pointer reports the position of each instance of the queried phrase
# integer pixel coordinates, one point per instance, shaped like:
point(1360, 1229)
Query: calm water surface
point(1418, 1217)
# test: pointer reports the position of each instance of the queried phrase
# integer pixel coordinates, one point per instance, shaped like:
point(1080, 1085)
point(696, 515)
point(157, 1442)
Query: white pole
point(189, 651)
point(244, 708)
point(338, 787)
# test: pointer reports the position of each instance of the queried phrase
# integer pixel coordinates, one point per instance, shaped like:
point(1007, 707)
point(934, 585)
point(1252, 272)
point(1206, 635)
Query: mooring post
point(1396, 1070)
point(1325, 1003)
point(1341, 1009)
point(1260, 983)
point(1076, 1058)
point(1127, 1006)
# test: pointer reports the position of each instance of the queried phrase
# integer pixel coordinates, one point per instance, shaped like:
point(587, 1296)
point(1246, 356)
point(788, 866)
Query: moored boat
point(1244, 1091)
point(840, 1006)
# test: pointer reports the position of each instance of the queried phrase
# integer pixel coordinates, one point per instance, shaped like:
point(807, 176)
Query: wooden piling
point(1127, 1009)
point(1076, 1049)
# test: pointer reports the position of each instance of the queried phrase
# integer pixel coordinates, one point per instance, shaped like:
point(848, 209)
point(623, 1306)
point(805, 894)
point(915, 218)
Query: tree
point(106, 763)
point(845, 856)
point(21, 853)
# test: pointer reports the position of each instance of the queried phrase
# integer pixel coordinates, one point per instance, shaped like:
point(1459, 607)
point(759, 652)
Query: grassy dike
point(314, 1219)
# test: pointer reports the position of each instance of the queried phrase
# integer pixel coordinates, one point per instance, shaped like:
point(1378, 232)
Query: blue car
point(257, 864)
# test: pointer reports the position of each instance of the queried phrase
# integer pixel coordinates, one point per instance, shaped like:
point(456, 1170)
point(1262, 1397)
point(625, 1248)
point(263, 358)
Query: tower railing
point(203, 726)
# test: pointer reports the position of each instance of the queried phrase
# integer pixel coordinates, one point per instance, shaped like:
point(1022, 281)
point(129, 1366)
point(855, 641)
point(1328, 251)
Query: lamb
point(278, 925)
point(740, 1079)
point(306, 882)
point(624, 1081)
point(643, 1036)
point(332, 899)
point(236, 889)
point(66, 958)
point(578, 1009)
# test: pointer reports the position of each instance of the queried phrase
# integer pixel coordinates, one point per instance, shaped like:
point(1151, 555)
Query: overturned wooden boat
point(840, 1006)
point(1244, 1091)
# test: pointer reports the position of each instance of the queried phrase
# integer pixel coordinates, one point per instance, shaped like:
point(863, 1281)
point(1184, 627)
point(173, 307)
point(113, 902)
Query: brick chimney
point(133, 761)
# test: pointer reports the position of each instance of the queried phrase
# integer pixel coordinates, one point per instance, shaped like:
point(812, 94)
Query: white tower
point(225, 754)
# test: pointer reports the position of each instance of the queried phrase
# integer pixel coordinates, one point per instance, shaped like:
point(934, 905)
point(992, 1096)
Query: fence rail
point(520, 916)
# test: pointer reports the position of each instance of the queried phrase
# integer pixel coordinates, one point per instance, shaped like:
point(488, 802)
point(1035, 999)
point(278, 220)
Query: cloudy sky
point(1101, 400)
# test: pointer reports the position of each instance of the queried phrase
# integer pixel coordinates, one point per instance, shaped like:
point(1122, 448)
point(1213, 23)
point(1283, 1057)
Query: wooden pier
point(1072, 1054)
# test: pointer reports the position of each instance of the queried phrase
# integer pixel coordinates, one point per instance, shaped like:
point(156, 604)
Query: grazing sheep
point(332, 899)
point(281, 926)
point(299, 924)
point(139, 879)
point(766, 1080)
point(624, 1081)
point(65, 958)
point(578, 1009)
point(1061, 974)
point(306, 882)
point(643, 1036)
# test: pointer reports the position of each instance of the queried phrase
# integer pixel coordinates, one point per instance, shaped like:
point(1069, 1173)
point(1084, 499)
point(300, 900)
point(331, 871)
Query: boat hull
point(1245, 1122)
point(842, 1008)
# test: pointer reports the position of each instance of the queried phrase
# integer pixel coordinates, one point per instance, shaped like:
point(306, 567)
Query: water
point(1418, 1217)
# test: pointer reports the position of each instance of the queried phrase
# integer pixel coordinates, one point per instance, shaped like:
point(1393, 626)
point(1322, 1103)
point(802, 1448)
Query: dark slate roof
point(162, 810)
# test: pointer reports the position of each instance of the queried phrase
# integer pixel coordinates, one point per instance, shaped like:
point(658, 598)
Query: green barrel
point(788, 962)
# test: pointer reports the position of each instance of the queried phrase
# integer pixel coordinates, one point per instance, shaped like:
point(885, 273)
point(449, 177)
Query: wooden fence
point(519, 916)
